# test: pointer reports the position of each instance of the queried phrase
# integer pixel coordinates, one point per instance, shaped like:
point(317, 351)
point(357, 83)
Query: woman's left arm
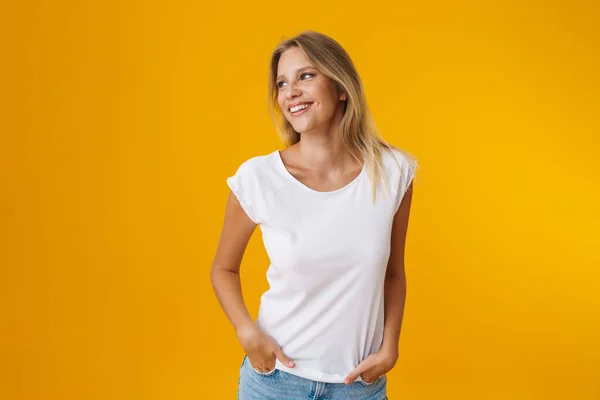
point(395, 279)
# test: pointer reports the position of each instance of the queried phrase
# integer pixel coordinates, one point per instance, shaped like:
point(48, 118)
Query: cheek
point(281, 103)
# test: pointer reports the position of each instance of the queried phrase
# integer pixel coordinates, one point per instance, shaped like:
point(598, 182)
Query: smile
point(299, 110)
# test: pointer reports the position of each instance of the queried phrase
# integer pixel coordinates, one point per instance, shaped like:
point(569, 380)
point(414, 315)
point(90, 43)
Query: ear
point(343, 96)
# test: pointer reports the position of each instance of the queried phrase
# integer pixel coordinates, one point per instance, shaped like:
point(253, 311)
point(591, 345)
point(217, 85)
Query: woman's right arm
point(225, 278)
point(225, 272)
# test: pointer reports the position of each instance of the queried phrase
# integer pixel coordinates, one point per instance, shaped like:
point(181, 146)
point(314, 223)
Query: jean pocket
point(265, 373)
point(271, 372)
point(380, 379)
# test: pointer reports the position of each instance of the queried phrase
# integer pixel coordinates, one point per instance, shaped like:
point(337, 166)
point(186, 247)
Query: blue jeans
point(280, 385)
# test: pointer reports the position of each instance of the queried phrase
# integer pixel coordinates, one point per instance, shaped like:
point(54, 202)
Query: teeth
point(299, 107)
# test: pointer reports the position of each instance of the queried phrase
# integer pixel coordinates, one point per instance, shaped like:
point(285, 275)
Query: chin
point(301, 129)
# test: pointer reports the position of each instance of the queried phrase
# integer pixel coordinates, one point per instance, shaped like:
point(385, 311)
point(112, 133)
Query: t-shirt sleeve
point(408, 164)
point(243, 185)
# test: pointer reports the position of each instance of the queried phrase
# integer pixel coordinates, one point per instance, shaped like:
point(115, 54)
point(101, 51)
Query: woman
point(329, 325)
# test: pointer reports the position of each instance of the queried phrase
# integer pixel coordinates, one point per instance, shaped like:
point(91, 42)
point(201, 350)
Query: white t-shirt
point(328, 255)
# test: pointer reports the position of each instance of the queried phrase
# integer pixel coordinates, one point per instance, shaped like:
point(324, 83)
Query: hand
point(374, 366)
point(261, 349)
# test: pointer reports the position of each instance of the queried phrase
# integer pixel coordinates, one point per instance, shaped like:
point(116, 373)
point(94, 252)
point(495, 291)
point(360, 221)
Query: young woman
point(333, 209)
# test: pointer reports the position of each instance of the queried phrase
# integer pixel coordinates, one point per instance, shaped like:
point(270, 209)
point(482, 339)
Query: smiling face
point(300, 83)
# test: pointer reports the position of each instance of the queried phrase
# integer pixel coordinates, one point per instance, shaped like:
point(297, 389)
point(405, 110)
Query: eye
point(305, 73)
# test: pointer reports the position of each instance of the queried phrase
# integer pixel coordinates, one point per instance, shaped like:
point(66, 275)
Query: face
point(298, 82)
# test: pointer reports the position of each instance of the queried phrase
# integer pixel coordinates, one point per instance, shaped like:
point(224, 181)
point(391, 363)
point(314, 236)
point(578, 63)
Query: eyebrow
point(297, 71)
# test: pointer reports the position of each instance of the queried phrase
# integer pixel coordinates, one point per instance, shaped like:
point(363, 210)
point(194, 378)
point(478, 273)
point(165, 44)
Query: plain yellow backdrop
point(121, 120)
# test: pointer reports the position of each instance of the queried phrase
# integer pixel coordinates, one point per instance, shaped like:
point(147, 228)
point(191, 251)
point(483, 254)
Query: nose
point(292, 91)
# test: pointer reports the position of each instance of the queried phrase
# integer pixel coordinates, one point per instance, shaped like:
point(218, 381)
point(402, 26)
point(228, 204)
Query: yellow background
point(121, 120)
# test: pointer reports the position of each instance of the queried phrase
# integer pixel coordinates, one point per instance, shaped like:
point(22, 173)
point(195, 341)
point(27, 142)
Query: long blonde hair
point(360, 135)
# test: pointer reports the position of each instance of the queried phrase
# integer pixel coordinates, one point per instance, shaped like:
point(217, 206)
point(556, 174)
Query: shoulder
point(255, 181)
point(400, 167)
point(258, 171)
point(255, 165)
point(396, 158)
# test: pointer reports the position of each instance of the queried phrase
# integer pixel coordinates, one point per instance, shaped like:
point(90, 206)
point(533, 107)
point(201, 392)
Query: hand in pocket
point(262, 350)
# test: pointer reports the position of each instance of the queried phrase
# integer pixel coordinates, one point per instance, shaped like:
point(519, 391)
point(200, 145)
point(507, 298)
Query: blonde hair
point(360, 135)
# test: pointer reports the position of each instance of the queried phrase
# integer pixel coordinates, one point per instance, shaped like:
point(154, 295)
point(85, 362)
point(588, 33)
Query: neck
point(323, 149)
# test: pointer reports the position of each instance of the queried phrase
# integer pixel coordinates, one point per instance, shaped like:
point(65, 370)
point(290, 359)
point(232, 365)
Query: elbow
point(218, 271)
point(396, 275)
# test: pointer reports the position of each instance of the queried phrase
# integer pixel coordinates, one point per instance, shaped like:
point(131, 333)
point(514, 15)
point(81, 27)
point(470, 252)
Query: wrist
point(245, 329)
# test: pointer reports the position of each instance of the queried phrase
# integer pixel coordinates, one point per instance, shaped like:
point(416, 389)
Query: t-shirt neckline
point(284, 169)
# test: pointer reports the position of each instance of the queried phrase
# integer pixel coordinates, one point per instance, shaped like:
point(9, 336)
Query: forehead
point(292, 60)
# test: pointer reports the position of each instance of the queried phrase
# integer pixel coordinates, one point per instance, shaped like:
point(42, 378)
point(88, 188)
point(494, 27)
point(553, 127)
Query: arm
point(225, 278)
point(225, 272)
point(395, 279)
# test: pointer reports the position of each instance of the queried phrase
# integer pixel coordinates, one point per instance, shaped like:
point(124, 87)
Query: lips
point(297, 113)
